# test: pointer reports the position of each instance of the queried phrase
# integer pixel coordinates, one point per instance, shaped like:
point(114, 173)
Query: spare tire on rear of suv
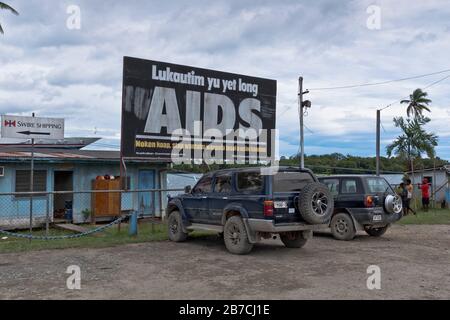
point(315, 203)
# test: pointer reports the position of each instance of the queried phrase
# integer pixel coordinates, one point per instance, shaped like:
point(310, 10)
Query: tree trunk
point(412, 182)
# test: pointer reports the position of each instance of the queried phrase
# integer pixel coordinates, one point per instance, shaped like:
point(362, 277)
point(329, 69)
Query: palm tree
point(417, 103)
point(4, 6)
point(413, 142)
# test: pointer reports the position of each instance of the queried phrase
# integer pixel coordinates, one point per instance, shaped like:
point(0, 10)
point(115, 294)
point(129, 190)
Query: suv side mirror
point(187, 189)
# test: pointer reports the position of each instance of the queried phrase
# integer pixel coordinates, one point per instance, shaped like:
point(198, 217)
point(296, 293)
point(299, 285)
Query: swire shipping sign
point(21, 127)
point(181, 114)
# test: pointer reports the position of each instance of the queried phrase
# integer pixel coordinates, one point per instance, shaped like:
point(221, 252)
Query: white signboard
point(32, 127)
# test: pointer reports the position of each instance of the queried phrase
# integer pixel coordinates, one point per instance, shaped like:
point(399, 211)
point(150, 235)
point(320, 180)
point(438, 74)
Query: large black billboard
point(195, 113)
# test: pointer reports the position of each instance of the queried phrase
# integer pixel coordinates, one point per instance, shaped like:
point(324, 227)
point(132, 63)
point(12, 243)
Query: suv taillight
point(369, 201)
point(268, 208)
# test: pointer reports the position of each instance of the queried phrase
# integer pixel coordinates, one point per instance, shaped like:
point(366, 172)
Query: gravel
point(414, 261)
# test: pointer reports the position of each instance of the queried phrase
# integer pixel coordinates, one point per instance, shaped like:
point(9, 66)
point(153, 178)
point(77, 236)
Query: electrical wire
point(426, 87)
point(384, 82)
point(379, 83)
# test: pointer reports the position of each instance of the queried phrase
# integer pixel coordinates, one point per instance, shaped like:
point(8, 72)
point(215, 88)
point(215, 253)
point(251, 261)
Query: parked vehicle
point(248, 204)
point(362, 202)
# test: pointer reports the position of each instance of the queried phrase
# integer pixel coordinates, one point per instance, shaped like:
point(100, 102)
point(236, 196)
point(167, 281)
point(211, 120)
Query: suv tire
point(342, 227)
point(315, 203)
point(175, 227)
point(376, 232)
point(293, 239)
point(235, 236)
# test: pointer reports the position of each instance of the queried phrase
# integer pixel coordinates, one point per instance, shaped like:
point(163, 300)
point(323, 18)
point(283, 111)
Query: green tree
point(417, 103)
point(414, 140)
point(4, 6)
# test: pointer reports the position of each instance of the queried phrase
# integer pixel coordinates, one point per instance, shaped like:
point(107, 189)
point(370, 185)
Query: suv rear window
point(333, 185)
point(289, 181)
point(249, 181)
point(349, 186)
point(375, 185)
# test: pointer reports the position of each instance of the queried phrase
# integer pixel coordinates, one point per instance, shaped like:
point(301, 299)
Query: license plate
point(291, 210)
point(377, 217)
point(280, 204)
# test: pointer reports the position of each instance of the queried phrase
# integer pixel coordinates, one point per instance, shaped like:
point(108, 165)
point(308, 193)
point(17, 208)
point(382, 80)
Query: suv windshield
point(377, 185)
point(203, 186)
point(289, 181)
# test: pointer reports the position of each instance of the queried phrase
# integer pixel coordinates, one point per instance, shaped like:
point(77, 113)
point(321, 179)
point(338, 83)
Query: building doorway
point(146, 181)
point(63, 181)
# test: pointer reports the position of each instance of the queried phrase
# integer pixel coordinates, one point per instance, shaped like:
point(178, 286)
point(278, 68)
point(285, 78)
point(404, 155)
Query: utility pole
point(378, 142)
point(31, 184)
point(300, 104)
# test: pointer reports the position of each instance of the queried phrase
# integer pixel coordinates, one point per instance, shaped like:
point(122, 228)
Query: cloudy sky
point(52, 70)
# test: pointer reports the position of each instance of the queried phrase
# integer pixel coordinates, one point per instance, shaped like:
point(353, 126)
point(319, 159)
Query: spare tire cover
point(315, 203)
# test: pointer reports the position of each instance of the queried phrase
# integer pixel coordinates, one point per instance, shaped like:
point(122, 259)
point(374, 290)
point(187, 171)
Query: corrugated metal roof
point(67, 155)
point(63, 154)
point(66, 143)
point(437, 169)
point(12, 154)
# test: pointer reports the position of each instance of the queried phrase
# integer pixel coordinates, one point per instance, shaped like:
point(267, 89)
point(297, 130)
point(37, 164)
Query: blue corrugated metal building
point(72, 170)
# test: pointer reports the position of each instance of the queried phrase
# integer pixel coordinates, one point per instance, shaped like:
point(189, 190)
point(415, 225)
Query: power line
point(436, 82)
point(381, 123)
point(426, 87)
point(306, 127)
point(379, 83)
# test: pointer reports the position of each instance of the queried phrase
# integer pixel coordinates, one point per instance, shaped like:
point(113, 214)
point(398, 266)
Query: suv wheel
point(342, 227)
point(175, 229)
point(235, 236)
point(316, 203)
point(293, 239)
point(376, 232)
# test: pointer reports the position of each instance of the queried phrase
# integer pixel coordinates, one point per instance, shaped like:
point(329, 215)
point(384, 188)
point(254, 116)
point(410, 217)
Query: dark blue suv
point(248, 204)
point(362, 202)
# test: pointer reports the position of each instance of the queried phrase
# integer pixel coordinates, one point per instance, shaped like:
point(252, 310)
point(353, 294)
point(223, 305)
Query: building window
point(23, 181)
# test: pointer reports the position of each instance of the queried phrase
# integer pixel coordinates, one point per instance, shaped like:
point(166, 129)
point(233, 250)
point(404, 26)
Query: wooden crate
point(106, 204)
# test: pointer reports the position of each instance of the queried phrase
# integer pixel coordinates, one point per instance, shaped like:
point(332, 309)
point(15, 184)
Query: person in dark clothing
point(409, 188)
point(403, 193)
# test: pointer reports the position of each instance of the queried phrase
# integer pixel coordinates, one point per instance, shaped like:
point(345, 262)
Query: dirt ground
point(414, 262)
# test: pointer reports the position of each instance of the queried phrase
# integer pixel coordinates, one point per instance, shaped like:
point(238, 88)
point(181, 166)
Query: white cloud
point(51, 70)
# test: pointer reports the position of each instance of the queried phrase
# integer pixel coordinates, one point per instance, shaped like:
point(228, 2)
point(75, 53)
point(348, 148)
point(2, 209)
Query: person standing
point(409, 190)
point(402, 192)
point(425, 188)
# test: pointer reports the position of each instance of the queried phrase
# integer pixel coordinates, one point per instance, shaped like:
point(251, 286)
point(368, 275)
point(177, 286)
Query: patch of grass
point(108, 238)
point(433, 216)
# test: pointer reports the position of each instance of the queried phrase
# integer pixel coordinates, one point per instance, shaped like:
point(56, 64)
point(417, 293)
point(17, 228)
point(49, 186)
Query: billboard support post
point(121, 165)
